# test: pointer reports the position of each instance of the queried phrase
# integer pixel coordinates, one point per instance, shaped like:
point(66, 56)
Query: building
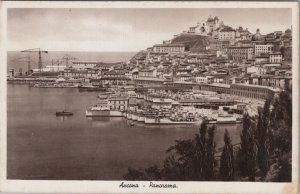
point(114, 73)
point(81, 73)
point(216, 87)
point(263, 49)
point(148, 73)
point(118, 103)
point(239, 53)
point(253, 91)
point(168, 48)
point(257, 36)
point(275, 58)
point(207, 27)
point(111, 81)
point(261, 59)
point(242, 34)
point(227, 33)
point(83, 64)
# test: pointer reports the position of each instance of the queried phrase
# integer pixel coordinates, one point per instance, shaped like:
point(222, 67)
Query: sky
point(124, 30)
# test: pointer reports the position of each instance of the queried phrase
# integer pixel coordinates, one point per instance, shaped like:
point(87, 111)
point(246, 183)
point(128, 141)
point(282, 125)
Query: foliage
point(266, 144)
point(247, 150)
point(192, 159)
point(227, 160)
point(262, 141)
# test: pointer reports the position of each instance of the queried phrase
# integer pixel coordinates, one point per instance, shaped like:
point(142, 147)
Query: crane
point(67, 58)
point(27, 59)
point(40, 55)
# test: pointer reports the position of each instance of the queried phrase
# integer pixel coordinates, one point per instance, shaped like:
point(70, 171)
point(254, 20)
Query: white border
point(113, 186)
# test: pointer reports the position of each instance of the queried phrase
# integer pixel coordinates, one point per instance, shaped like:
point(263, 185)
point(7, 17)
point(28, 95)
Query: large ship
point(225, 118)
point(91, 88)
point(102, 109)
point(168, 121)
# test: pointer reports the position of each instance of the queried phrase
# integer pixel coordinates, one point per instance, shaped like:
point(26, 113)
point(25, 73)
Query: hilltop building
point(206, 27)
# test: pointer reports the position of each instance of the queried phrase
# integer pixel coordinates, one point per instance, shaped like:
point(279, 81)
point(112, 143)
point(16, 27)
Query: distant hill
point(194, 43)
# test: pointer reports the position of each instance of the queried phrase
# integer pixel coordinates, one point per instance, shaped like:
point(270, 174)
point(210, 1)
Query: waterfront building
point(114, 73)
point(149, 81)
point(253, 91)
point(168, 48)
point(118, 103)
point(81, 73)
point(83, 64)
point(11, 73)
point(216, 87)
point(111, 81)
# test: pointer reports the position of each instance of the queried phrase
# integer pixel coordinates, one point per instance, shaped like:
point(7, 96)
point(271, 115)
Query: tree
point(281, 130)
point(201, 151)
point(181, 164)
point(262, 141)
point(210, 155)
point(192, 159)
point(227, 160)
point(247, 153)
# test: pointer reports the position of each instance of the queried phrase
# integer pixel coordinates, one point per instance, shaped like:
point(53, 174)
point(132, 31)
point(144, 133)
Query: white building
point(83, 64)
point(275, 58)
point(50, 68)
point(206, 27)
point(260, 49)
point(227, 33)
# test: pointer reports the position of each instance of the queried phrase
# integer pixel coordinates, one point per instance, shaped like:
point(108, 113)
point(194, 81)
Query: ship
point(91, 88)
point(63, 113)
point(168, 121)
point(224, 119)
point(102, 109)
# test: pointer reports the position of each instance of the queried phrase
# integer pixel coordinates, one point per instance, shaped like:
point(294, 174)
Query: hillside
point(194, 43)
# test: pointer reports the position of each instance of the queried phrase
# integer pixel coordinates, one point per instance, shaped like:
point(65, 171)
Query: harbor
point(65, 144)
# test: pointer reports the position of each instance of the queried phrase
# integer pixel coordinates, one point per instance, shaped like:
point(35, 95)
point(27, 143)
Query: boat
point(102, 109)
point(91, 88)
point(173, 122)
point(141, 118)
point(224, 119)
point(134, 117)
point(64, 113)
point(102, 96)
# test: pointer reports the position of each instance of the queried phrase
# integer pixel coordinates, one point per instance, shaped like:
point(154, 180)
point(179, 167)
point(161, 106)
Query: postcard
point(149, 97)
